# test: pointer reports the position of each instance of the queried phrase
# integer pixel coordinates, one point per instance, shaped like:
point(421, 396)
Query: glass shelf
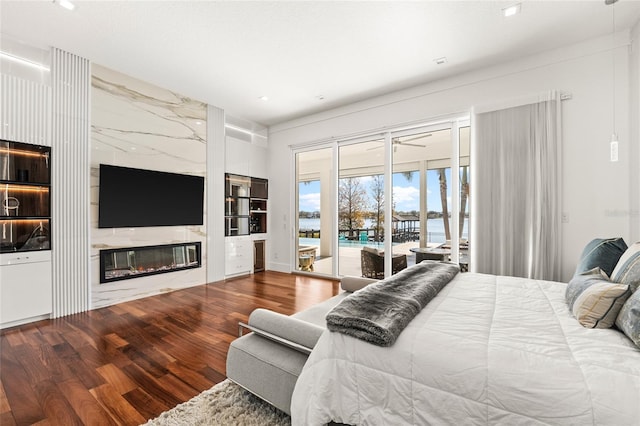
point(25, 197)
point(24, 234)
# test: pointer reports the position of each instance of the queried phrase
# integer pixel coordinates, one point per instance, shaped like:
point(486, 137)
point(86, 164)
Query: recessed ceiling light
point(320, 97)
point(441, 60)
point(198, 123)
point(67, 4)
point(512, 10)
point(264, 98)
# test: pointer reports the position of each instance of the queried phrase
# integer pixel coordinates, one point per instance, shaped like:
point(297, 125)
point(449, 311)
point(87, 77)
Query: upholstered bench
point(268, 361)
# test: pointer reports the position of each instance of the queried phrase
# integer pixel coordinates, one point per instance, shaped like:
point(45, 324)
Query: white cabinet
point(258, 162)
point(25, 287)
point(238, 256)
point(237, 154)
point(246, 158)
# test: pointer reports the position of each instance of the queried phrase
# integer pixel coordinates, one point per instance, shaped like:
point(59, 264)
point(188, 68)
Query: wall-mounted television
point(131, 198)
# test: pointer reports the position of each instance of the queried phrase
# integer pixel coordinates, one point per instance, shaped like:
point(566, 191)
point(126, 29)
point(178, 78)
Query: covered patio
point(414, 155)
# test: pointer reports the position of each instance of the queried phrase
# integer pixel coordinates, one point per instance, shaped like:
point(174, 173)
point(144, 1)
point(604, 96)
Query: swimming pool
point(342, 243)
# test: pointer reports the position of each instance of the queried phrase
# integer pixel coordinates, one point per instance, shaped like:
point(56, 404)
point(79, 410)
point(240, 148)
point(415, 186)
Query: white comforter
point(486, 351)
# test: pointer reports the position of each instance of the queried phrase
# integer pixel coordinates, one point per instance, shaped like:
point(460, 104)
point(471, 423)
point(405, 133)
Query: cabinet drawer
point(238, 267)
point(238, 255)
point(18, 258)
point(235, 246)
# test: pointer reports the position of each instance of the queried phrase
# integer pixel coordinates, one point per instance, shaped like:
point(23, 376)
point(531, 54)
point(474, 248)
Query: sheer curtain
point(517, 191)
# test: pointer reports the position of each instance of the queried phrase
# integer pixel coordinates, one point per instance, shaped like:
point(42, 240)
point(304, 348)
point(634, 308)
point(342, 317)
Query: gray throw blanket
point(379, 312)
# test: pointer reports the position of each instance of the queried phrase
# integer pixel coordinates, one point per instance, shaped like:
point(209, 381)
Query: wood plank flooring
point(128, 363)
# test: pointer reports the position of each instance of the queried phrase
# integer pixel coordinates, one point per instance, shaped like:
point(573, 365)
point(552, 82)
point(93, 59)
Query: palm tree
point(443, 198)
point(377, 193)
point(407, 175)
point(464, 194)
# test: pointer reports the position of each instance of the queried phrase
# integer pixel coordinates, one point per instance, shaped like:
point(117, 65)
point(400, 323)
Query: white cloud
point(310, 202)
point(406, 197)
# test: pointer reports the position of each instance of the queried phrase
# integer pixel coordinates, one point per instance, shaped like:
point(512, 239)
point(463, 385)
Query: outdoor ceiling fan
point(396, 142)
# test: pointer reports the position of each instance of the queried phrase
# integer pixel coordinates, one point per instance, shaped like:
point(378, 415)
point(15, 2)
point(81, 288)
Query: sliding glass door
point(315, 212)
point(420, 158)
point(361, 208)
point(465, 196)
point(375, 205)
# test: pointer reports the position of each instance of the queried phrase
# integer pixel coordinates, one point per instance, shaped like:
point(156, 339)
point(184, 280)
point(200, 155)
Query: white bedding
point(488, 350)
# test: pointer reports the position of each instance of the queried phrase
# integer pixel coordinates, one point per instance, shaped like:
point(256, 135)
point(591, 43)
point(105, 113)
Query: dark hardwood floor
point(128, 363)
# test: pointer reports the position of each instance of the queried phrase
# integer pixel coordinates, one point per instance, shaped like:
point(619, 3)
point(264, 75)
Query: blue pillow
point(602, 253)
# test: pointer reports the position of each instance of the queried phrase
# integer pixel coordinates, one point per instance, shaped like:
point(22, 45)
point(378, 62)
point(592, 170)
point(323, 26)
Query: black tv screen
point(136, 198)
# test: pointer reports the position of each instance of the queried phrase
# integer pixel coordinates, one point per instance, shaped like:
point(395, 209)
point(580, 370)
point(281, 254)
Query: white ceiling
point(229, 53)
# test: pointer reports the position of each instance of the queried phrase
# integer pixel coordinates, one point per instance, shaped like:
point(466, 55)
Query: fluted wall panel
point(215, 193)
point(25, 111)
point(71, 85)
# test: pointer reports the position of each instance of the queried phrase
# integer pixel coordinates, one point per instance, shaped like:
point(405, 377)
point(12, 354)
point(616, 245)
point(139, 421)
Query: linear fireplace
point(133, 262)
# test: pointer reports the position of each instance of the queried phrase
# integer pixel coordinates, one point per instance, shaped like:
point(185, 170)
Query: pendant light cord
point(613, 54)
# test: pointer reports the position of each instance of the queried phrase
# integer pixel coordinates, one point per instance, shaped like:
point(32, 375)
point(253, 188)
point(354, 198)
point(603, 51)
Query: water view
point(435, 230)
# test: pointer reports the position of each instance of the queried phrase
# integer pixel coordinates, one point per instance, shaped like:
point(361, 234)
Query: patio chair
point(372, 263)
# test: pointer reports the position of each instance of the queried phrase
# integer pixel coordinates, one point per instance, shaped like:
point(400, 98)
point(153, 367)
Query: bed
point(487, 350)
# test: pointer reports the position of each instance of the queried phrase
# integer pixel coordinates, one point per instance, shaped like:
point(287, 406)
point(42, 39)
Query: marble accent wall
point(136, 124)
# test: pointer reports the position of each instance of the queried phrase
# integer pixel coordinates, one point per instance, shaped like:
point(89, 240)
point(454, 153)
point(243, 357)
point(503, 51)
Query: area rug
point(224, 404)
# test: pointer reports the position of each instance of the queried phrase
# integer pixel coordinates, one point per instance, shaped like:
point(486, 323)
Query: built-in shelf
point(25, 197)
point(245, 205)
point(258, 215)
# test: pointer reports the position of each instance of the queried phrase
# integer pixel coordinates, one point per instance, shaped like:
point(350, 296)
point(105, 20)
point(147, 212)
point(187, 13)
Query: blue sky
point(406, 194)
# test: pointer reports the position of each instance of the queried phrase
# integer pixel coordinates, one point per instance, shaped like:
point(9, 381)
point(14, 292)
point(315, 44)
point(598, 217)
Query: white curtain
point(517, 188)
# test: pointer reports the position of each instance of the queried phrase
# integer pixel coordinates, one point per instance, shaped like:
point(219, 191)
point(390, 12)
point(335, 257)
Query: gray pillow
point(627, 270)
point(629, 318)
point(603, 253)
point(594, 301)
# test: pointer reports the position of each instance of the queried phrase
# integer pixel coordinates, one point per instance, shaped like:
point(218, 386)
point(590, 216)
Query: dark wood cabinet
point(259, 255)
point(259, 188)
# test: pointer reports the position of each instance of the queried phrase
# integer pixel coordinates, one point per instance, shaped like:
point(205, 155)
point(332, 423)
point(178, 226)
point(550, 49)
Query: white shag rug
point(224, 404)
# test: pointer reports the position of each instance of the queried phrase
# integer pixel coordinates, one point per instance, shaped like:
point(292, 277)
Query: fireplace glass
point(134, 262)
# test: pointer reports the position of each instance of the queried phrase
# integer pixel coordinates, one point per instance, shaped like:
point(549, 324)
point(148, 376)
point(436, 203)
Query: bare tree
point(352, 204)
point(377, 194)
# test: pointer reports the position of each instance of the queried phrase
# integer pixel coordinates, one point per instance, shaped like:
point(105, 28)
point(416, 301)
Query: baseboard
point(23, 321)
point(279, 267)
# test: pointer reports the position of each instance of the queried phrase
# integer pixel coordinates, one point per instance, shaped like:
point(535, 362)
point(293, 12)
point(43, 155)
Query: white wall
point(25, 105)
point(634, 139)
point(595, 192)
